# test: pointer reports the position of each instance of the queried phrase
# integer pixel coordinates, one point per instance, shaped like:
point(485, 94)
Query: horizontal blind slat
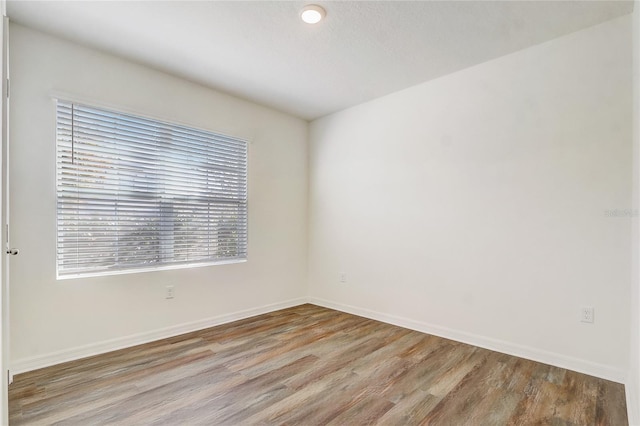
point(151, 138)
point(64, 111)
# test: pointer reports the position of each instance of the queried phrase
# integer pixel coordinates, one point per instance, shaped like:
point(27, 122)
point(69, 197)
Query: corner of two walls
point(488, 205)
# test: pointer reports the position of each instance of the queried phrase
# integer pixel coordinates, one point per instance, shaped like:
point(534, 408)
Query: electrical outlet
point(343, 277)
point(169, 292)
point(586, 314)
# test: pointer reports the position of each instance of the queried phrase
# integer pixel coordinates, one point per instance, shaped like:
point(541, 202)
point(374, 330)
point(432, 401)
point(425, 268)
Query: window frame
point(151, 268)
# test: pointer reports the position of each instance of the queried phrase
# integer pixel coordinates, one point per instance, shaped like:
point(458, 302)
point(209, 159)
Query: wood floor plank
point(309, 365)
point(411, 409)
point(312, 400)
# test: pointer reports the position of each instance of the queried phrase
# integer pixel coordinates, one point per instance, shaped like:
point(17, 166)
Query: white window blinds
point(136, 193)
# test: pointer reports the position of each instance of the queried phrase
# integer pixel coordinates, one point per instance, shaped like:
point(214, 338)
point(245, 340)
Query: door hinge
point(8, 88)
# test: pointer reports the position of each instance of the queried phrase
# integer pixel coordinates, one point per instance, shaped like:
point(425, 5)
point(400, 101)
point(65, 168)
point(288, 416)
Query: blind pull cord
point(73, 137)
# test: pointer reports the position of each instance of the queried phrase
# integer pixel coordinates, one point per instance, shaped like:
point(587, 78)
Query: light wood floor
point(311, 366)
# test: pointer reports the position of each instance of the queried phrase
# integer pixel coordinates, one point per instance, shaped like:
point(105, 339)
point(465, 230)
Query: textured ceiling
point(263, 52)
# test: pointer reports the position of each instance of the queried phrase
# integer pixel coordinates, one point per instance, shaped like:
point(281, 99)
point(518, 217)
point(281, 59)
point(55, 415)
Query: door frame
point(4, 267)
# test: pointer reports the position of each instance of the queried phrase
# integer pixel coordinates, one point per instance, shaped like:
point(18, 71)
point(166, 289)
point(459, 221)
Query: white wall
point(473, 206)
point(56, 320)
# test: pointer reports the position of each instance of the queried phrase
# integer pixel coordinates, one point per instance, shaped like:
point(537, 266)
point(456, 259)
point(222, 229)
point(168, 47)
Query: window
point(137, 193)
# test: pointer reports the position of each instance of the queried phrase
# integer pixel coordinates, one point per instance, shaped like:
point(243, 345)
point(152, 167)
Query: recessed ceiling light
point(312, 14)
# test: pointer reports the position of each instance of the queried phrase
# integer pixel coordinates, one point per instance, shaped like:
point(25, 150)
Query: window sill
point(149, 269)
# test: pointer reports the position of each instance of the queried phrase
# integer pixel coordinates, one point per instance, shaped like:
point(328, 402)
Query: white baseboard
point(582, 366)
point(47, 360)
point(558, 360)
point(633, 401)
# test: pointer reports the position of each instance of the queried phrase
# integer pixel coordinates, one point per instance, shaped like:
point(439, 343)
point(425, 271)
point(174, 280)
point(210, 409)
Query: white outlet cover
point(587, 314)
point(169, 292)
